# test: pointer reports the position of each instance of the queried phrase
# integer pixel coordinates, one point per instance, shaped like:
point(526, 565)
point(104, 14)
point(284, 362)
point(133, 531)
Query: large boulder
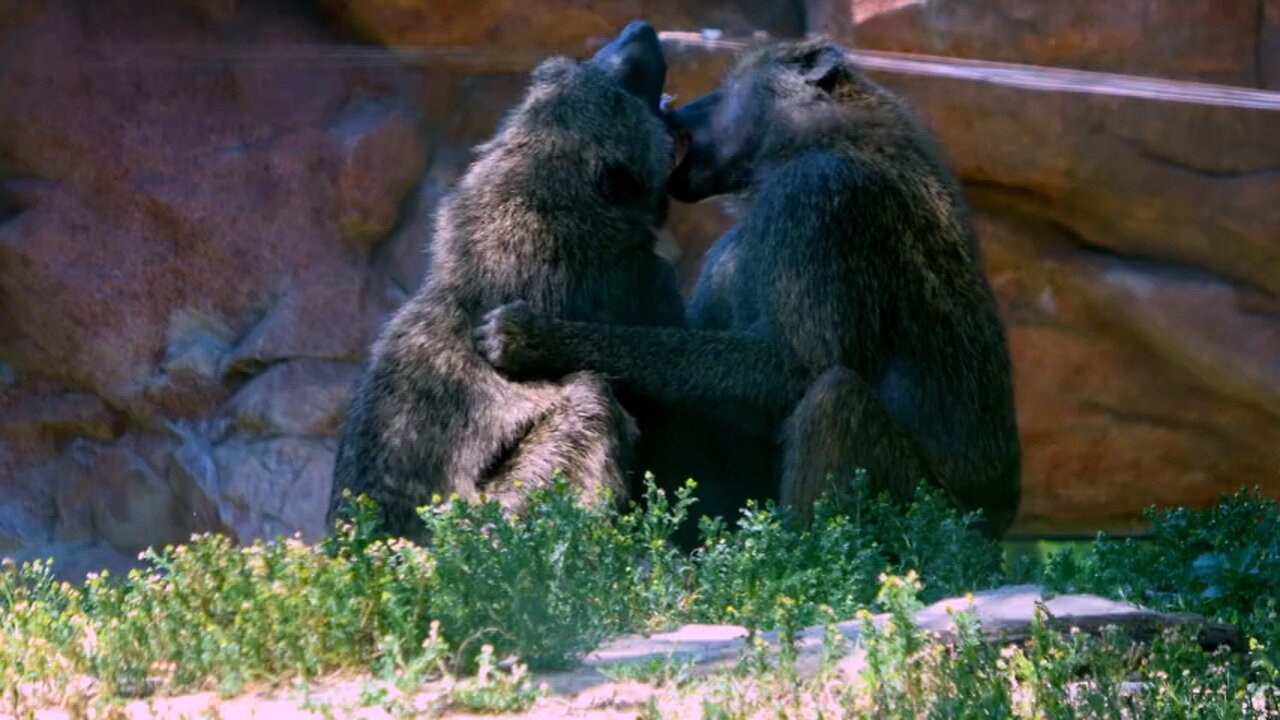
point(1269, 45)
point(1136, 383)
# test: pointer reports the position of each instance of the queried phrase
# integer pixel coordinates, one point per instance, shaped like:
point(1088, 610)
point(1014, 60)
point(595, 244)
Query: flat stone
point(275, 487)
point(302, 397)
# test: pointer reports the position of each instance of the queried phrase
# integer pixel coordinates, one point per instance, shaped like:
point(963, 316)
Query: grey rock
point(111, 493)
point(301, 397)
point(1002, 612)
point(274, 487)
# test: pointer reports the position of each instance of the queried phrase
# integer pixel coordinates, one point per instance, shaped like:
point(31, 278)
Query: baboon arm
point(674, 365)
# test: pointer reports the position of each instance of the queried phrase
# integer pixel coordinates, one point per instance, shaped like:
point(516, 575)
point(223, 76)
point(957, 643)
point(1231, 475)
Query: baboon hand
point(504, 337)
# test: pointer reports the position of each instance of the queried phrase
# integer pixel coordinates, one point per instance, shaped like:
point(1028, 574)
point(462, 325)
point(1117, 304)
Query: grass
point(549, 587)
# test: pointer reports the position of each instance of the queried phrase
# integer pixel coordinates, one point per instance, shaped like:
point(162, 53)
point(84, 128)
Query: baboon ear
point(824, 68)
point(619, 186)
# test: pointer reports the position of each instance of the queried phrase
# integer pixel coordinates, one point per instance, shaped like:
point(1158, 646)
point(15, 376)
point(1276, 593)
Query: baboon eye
point(620, 186)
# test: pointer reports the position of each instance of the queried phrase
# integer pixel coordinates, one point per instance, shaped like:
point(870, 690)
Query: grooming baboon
point(845, 322)
point(560, 208)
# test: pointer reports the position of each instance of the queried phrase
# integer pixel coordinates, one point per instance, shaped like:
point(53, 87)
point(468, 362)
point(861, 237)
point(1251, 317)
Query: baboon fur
point(559, 208)
point(845, 323)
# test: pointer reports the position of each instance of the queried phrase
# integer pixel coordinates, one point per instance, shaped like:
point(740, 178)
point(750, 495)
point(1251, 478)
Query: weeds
point(550, 586)
point(770, 571)
point(908, 673)
point(671, 670)
point(492, 691)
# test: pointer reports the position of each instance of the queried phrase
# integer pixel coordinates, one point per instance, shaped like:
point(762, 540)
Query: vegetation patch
point(494, 595)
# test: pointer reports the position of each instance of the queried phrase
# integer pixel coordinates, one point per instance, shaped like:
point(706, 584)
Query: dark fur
point(845, 323)
point(560, 209)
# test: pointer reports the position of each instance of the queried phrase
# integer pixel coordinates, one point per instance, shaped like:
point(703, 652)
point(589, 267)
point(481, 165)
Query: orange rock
point(1113, 415)
point(497, 30)
point(1207, 40)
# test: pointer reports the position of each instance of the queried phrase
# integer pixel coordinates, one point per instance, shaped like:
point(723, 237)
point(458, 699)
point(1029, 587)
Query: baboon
point(559, 208)
point(845, 323)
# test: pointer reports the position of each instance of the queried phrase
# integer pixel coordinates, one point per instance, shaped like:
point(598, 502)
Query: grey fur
point(845, 323)
point(560, 209)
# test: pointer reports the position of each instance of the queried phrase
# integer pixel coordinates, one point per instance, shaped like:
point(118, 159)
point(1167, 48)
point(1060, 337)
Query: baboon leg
point(583, 432)
point(840, 427)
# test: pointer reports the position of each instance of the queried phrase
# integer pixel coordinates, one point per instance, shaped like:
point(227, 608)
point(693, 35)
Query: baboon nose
point(639, 31)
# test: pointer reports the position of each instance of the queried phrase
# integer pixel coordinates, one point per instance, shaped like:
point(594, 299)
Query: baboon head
point(589, 134)
point(777, 99)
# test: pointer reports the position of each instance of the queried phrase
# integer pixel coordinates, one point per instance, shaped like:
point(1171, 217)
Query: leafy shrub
point(1223, 562)
point(552, 584)
point(744, 575)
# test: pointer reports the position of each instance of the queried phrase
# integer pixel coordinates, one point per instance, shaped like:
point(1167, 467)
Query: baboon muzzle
point(635, 60)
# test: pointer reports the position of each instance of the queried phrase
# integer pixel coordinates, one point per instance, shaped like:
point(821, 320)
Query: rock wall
point(193, 195)
point(207, 207)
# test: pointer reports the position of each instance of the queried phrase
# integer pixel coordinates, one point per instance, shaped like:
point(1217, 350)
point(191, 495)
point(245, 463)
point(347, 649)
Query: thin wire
point(1031, 77)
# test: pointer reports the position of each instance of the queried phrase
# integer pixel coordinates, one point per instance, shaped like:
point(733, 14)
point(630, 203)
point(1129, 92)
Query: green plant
point(493, 691)
point(552, 584)
point(670, 670)
point(770, 570)
point(1223, 562)
point(897, 663)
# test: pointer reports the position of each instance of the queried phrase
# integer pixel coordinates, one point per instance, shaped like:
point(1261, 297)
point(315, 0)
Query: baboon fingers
point(502, 337)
